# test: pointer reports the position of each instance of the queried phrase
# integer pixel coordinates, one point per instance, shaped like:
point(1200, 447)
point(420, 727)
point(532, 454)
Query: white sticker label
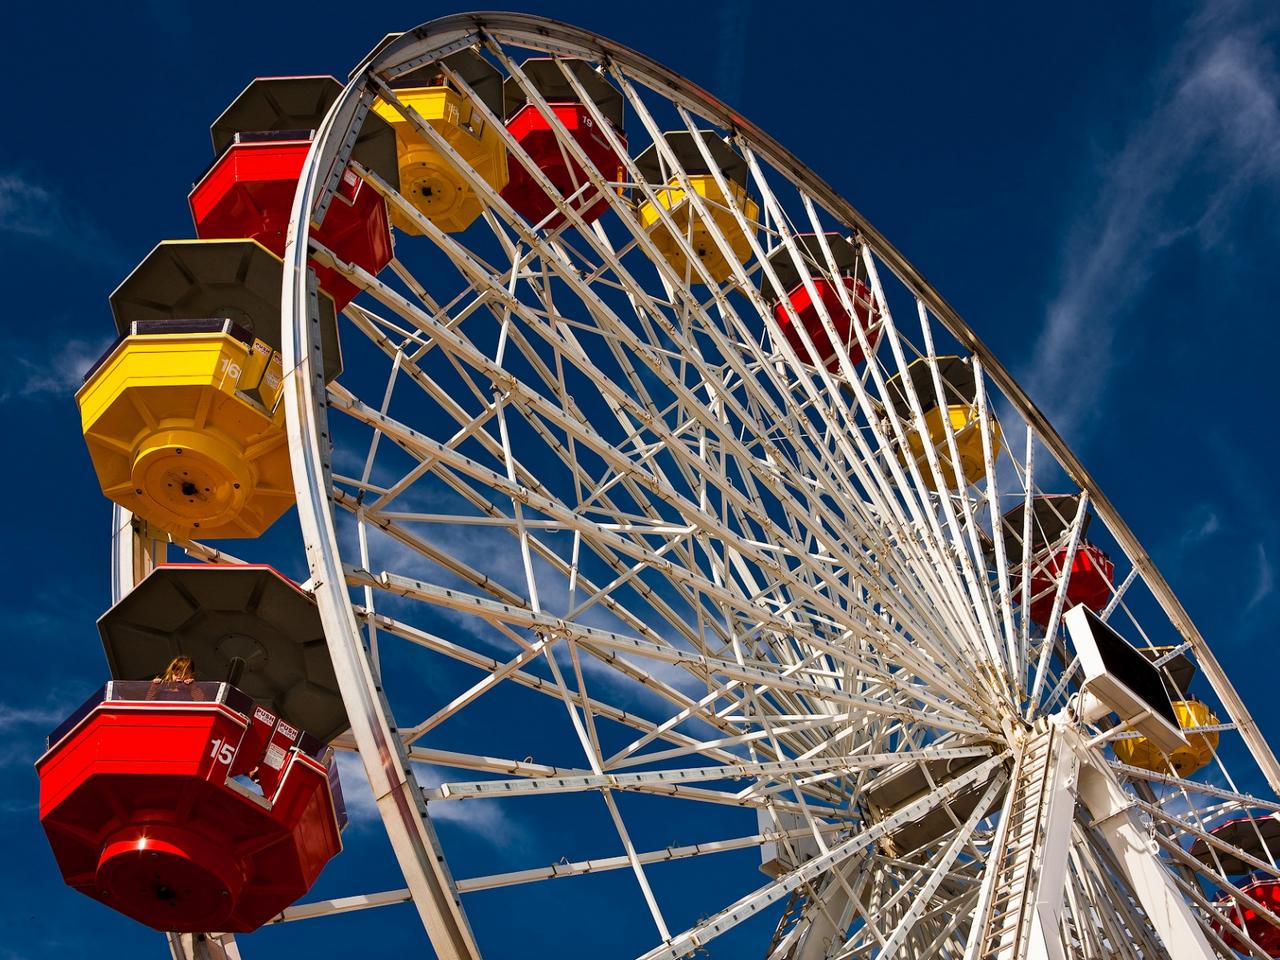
point(274, 758)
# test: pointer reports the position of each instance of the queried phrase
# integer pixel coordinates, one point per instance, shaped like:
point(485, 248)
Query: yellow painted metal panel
point(427, 179)
point(968, 434)
point(177, 434)
point(695, 230)
point(1186, 760)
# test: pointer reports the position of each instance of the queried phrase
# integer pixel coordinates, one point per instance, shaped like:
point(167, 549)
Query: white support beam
point(1117, 818)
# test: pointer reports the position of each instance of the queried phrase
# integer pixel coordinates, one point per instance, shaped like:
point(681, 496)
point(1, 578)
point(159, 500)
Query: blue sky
point(1096, 190)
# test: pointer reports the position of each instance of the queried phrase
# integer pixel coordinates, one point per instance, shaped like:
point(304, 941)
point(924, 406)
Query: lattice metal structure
point(695, 490)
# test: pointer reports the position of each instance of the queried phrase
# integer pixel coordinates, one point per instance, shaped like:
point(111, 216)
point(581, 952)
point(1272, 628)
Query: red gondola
point(262, 146)
point(1092, 574)
point(1259, 929)
point(828, 293)
point(147, 801)
point(534, 134)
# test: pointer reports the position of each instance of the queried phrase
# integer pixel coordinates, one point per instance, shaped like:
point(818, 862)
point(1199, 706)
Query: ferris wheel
point(648, 495)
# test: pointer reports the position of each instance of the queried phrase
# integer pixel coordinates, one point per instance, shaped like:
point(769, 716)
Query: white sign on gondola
point(1122, 679)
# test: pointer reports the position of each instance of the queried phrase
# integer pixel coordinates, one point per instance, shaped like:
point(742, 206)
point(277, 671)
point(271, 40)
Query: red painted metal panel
point(261, 726)
point(810, 319)
point(1260, 930)
point(141, 813)
point(1092, 574)
point(176, 744)
point(534, 134)
point(249, 193)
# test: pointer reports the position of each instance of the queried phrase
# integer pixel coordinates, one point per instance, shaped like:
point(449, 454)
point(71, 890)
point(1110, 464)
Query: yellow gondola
point(428, 178)
point(1140, 752)
point(184, 428)
point(691, 228)
point(182, 416)
point(960, 412)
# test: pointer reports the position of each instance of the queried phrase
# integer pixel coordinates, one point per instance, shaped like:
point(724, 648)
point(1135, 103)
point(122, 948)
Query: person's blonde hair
point(179, 668)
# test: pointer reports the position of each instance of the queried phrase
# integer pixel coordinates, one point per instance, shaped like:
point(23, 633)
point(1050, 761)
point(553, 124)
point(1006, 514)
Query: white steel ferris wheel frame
point(1049, 759)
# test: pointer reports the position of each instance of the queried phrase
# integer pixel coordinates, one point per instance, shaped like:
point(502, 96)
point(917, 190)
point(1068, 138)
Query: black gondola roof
point(215, 613)
point(958, 384)
point(843, 253)
point(682, 144)
point(295, 104)
point(547, 79)
point(1051, 518)
point(236, 280)
point(1258, 836)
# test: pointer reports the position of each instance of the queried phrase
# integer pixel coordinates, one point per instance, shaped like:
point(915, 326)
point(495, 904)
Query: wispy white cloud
point(12, 717)
point(23, 728)
point(733, 19)
point(481, 817)
point(1266, 579)
point(1211, 139)
point(1205, 522)
point(40, 371)
point(34, 211)
point(28, 209)
point(356, 792)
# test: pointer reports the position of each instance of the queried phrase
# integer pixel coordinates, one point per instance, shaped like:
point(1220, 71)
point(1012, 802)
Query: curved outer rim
point(395, 789)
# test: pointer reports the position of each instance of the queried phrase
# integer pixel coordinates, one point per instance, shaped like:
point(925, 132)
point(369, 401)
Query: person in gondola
point(177, 682)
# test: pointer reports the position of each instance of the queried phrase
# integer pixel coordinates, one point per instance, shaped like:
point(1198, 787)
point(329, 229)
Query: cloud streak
point(481, 817)
point(40, 372)
point(33, 211)
point(733, 17)
point(1204, 523)
point(13, 717)
point(1266, 580)
point(1211, 140)
point(23, 729)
